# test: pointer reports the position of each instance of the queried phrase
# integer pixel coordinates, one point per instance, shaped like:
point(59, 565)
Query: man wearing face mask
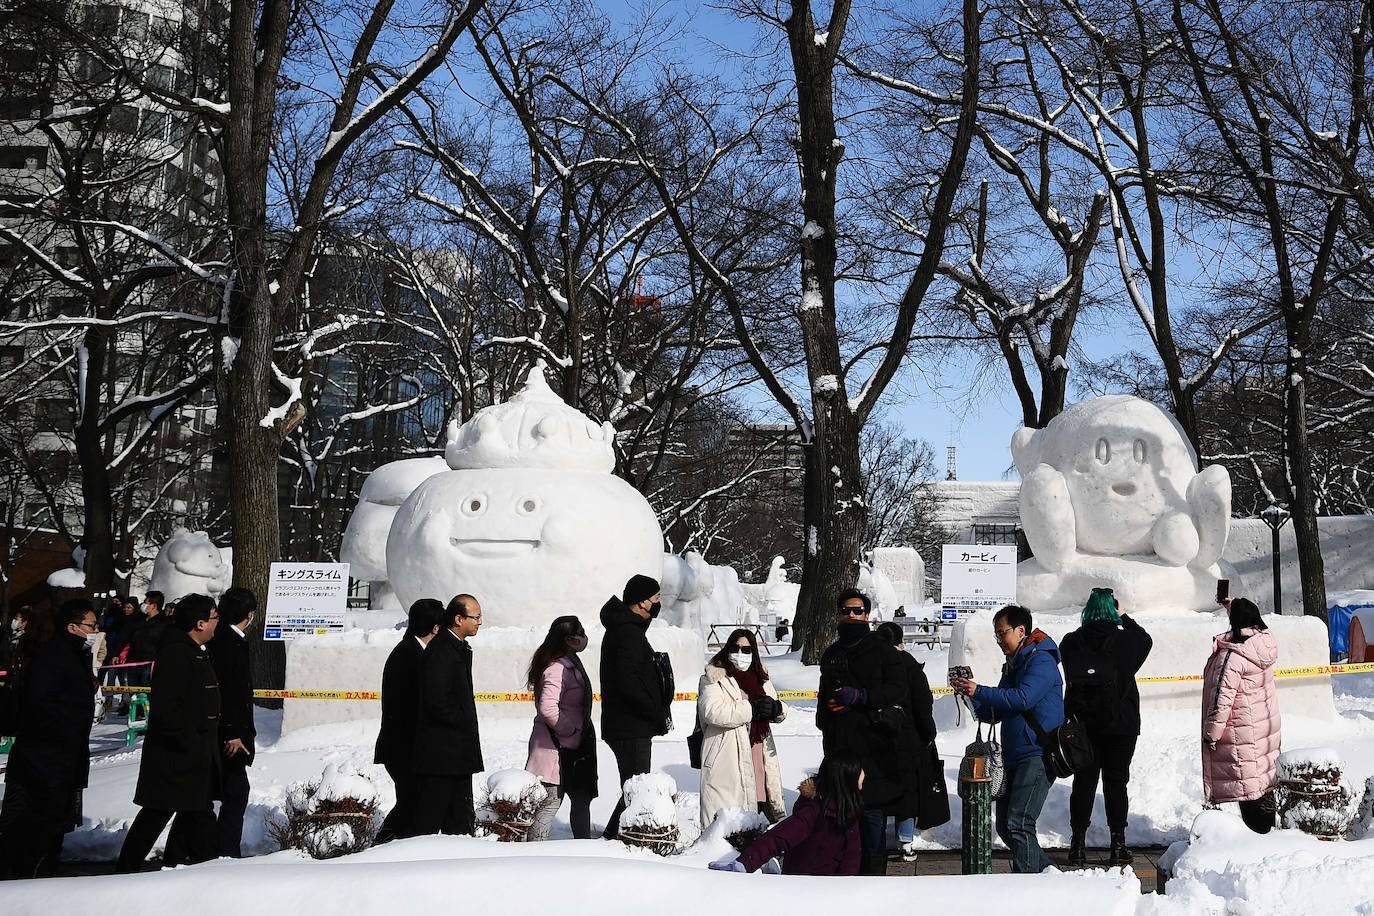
point(634, 707)
point(865, 708)
point(50, 762)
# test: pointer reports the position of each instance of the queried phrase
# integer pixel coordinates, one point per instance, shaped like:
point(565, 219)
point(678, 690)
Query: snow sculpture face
point(529, 520)
point(364, 540)
point(189, 563)
point(1125, 462)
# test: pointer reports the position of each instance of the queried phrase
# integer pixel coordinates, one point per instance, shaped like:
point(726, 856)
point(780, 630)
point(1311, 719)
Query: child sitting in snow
point(821, 837)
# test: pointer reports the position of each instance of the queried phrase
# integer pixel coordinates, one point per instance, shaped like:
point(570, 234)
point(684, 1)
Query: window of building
point(23, 157)
point(54, 414)
point(124, 119)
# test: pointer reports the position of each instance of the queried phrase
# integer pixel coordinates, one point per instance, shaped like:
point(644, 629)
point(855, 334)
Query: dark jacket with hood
point(1030, 682)
point(56, 694)
point(180, 770)
point(1114, 711)
point(632, 700)
point(815, 843)
point(878, 729)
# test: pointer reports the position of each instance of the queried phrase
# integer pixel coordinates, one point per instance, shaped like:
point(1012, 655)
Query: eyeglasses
point(478, 618)
point(744, 647)
point(1001, 634)
point(87, 626)
point(853, 610)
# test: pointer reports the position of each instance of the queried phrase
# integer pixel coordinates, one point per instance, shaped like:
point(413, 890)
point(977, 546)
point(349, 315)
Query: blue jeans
point(906, 830)
point(873, 834)
point(1017, 811)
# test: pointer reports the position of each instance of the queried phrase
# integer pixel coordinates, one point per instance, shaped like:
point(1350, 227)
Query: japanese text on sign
point(976, 577)
point(306, 599)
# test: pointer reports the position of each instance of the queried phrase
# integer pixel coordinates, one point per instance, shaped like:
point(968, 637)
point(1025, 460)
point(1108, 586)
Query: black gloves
point(765, 708)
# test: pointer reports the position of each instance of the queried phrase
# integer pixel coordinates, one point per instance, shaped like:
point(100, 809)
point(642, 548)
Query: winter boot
point(1120, 855)
point(908, 851)
point(1078, 852)
point(873, 865)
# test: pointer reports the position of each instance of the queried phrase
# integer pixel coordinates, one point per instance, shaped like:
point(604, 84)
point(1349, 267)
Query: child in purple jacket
point(821, 837)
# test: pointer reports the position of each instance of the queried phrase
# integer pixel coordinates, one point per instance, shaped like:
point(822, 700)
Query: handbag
point(991, 753)
point(1067, 748)
point(933, 797)
point(694, 741)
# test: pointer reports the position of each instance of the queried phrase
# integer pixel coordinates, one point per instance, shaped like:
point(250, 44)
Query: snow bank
point(500, 659)
point(432, 874)
point(67, 578)
point(1347, 554)
point(1224, 868)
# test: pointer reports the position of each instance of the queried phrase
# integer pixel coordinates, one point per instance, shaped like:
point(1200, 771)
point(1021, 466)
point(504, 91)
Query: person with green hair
point(1101, 659)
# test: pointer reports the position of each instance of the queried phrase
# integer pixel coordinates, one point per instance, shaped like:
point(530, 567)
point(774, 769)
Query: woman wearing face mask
point(735, 704)
point(563, 741)
point(50, 762)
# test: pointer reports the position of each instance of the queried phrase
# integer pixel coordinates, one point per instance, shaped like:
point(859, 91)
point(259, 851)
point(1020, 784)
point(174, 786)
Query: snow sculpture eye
point(1103, 451)
point(475, 504)
point(528, 505)
point(1139, 449)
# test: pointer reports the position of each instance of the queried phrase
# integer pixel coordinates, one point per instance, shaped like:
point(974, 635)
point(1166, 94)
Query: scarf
point(752, 686)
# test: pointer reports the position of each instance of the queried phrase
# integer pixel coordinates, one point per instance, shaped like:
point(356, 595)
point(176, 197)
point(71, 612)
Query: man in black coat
point(448, 747)
point(147, 638)
point(400, 713)
point(928, 804)
point(633, 707)
point(230, 657)
point(1101, 659)
point(180, 771)
point(864, 707)
point(50, 762)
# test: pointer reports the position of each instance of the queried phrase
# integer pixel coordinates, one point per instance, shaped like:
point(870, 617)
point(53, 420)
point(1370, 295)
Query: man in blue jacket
point(1031, 685)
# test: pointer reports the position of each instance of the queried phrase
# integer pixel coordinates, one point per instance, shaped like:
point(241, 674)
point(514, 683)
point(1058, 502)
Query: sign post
point(305, 599)
point(974, 577)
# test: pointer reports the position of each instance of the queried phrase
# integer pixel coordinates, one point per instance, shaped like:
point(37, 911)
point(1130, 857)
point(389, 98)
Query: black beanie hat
point(639, 588)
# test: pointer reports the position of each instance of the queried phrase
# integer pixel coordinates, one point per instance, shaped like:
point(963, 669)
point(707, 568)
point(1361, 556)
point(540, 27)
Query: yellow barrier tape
point(1309, 671)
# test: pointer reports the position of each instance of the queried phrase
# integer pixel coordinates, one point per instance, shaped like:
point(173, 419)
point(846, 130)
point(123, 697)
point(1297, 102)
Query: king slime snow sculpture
point(529, 519)
point(1111, 496)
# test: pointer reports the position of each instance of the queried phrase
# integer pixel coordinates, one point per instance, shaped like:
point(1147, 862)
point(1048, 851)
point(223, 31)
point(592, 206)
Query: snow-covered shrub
point(650, 817)
point(739, 827)
point(508, 805)
point(1363, 827)
point(334, 815)
point(1313, 796)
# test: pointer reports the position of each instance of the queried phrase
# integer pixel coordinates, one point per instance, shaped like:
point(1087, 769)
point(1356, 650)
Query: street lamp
point(1275, 516)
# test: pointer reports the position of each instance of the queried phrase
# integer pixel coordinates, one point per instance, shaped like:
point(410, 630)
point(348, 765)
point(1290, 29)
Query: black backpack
point(1090, 674)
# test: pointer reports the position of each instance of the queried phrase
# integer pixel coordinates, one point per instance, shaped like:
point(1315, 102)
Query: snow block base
point(1182, 645)
point(500, 660)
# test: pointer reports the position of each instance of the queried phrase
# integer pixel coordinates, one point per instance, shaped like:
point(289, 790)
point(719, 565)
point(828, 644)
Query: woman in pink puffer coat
point(1241, 729)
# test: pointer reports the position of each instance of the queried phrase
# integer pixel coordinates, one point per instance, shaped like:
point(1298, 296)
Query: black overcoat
point(447, 741)
point(180, 770)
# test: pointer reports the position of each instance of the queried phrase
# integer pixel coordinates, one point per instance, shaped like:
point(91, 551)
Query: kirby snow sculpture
point(1111, 496)
point(529, 519)
point(364, 540)
point(190, 563)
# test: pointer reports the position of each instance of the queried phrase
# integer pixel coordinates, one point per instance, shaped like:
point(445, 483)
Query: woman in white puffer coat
point(736, 703)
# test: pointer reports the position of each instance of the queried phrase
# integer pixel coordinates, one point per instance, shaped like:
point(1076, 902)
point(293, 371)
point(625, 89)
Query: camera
point(963, 672)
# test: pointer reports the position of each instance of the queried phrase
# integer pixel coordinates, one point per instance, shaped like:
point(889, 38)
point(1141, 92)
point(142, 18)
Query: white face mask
point(742, 661)
point(91, 640)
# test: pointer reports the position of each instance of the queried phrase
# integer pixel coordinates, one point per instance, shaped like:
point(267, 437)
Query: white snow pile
point(1292, 763)
point(735, 820)
point(342, 783)
point(1223, 868)
point(67, 578)
point(649, 801)
point(328, 841)
point(515, 786)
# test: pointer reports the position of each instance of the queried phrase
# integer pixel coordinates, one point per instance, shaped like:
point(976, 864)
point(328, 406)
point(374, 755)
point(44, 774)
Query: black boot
point(1078, 853)
point(874, 865)
point(1120, 855)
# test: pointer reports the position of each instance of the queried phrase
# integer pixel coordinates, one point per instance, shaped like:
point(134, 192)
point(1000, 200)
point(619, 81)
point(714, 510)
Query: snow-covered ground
point(1165, 800)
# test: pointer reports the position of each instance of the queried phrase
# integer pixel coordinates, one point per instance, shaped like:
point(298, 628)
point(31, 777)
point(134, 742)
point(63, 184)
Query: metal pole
point(1278, 575)
point(975, 855)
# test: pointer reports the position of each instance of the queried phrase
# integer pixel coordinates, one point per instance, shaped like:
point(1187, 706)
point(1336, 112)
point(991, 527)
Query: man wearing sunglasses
point(179, 775)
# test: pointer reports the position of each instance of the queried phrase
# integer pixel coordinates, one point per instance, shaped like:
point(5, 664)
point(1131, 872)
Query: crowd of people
point(874, 712)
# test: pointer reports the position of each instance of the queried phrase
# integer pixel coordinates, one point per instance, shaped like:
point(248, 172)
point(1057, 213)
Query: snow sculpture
point(190, 563)
point(779, 595)
point(1111, 496)
point(906, 571)
point(529, 519)
point(874, 583)
point(364, 540)
point(697, 594)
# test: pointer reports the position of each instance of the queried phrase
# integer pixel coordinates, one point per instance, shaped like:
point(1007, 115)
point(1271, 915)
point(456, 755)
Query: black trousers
point(33, 822)
point(400, 820)
point(192, 838)
point(632, 758)
point(1258, 813)
point(233, 804)
point(443, 804)
point(1113, 764)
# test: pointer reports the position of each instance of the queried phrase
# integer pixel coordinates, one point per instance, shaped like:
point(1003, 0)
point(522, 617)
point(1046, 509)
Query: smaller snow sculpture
point(907, 572)
point(364, 540)
point(190, 563)
point(508, 807)
point(1111, 496)
point(697, 594)
point(779, 595)
point(650, 817)
point(874, 583)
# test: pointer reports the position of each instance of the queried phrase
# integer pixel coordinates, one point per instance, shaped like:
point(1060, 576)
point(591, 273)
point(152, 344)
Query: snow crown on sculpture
point(1112, 497)
point(529, 519)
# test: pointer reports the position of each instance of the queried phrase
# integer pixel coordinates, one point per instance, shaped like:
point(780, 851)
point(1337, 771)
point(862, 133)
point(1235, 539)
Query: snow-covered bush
point(334, 815)
point(508, 804)
point(738, 826)
point(1313, 796)
point(650, 817)
point(1363, 827)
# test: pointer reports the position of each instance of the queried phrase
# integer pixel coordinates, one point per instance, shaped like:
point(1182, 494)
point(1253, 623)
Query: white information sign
point(976, 576)
point(305, 599)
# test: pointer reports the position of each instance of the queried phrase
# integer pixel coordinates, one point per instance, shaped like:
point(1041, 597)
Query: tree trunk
point(835, 490)
point(1311, 567)
point(98, 508)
